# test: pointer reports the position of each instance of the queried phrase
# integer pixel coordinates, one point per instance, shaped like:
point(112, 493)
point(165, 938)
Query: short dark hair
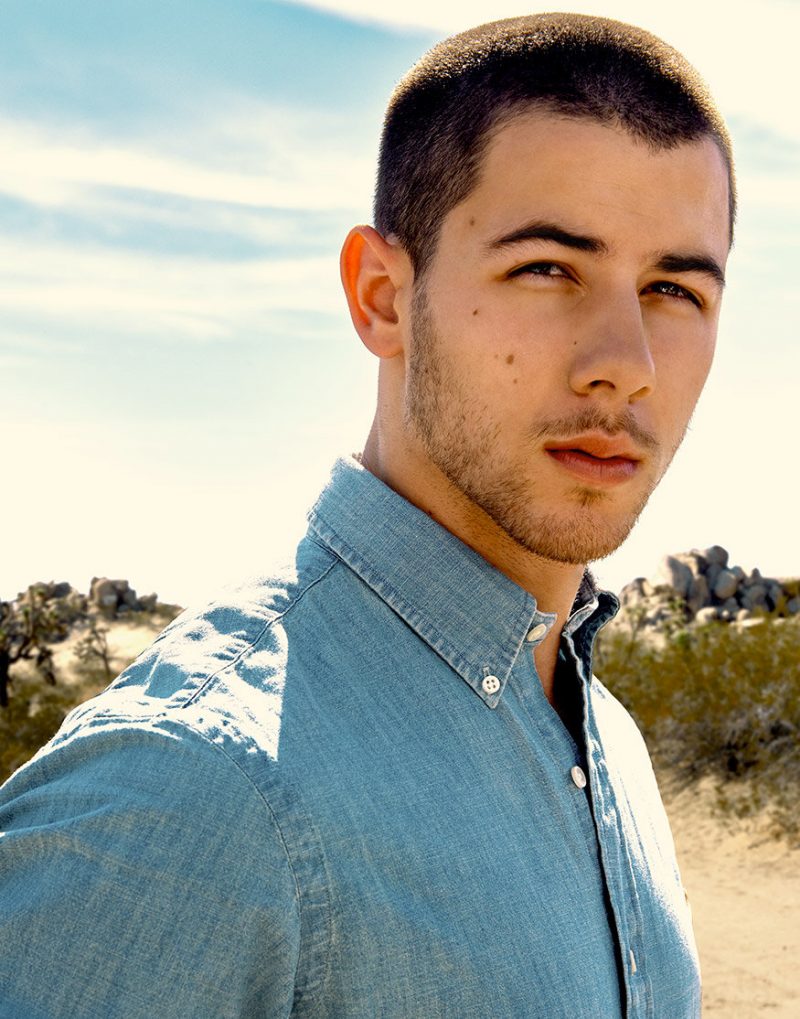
point(442, 114)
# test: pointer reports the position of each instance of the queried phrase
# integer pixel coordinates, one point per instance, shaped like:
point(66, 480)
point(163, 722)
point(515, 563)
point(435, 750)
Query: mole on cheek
point(472, 221)
point(510, 359)
point(475, 312)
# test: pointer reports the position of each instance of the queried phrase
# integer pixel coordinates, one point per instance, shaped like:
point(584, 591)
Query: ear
point(373, 272)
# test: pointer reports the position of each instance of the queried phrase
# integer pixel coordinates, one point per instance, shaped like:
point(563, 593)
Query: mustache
point(593, 419)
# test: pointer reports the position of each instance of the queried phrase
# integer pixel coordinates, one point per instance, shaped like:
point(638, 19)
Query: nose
point(612, 356)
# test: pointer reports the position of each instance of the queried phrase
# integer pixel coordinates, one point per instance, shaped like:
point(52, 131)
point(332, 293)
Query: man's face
point(565, 329)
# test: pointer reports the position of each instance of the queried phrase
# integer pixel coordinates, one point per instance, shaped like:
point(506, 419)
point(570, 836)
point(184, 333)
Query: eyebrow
point(692, 263)
point(668, 262)
point(550, 232)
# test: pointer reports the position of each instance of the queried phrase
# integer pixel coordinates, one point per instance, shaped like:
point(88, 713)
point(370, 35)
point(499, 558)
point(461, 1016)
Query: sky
point(178, 367)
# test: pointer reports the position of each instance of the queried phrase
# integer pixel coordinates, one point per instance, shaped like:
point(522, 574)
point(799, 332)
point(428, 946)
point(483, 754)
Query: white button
point(490, 684)
point(578, 777)
point(537, 632)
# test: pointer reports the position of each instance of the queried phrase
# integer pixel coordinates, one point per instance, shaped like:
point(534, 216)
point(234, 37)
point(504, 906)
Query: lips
point(599, 459)
point(601, 447)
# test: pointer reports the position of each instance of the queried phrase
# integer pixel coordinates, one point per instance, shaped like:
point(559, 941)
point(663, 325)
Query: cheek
point(680, 386)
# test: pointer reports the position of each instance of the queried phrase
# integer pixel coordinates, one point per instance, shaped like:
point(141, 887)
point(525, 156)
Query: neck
point(553, 584)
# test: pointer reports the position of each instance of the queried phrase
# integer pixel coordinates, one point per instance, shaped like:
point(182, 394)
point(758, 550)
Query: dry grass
point(719, 702)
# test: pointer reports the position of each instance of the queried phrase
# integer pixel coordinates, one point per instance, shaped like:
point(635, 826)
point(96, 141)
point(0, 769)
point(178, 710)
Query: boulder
point(676, 575)
point(632, 592)
point(694, 561)
point(699, 595)
point(775, 596)
point(103, 594)
point(755, 598)
point(725, 585)
point(700, 560)
point(716, 556)
point(111, 595)
point(706, 615)
point(712, 573)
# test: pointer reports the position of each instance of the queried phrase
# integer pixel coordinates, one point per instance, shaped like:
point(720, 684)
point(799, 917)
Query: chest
point(470, 874)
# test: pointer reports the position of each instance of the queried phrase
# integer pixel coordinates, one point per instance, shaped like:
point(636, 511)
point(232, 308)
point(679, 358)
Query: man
point(382, 782)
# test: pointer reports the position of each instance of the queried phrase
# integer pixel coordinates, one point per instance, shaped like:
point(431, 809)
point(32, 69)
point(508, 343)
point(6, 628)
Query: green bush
point(34, 713)
point(721, 701)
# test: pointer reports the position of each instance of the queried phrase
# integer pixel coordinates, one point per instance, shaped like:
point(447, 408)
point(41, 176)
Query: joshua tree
point(27, 626)
point(93, 649)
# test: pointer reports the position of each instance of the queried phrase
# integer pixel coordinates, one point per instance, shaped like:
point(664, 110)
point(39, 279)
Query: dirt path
point(744, 888)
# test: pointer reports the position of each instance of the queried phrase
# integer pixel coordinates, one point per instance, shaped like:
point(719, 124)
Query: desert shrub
point(34, 713)
point(721, 701)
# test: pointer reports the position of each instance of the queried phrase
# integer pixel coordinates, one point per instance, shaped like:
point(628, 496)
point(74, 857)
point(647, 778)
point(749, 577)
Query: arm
point(142, 875)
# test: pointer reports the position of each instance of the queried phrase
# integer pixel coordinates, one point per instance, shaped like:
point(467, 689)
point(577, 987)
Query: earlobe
point(372, 272)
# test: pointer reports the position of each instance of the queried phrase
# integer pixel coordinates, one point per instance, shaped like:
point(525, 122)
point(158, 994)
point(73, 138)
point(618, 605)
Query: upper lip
point(602, 446)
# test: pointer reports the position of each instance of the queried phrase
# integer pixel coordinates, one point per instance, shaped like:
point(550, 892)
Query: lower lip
point(612, 471)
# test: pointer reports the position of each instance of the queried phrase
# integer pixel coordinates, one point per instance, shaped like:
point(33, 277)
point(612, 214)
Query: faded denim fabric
point(340, 792)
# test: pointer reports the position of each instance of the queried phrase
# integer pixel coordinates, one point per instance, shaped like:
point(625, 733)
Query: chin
point(577, 535)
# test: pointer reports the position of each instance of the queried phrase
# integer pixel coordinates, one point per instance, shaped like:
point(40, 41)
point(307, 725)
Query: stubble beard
point(458, 435)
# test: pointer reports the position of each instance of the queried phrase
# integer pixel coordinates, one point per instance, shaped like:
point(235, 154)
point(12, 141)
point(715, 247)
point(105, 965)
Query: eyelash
point(677, 291)
point(670, 289)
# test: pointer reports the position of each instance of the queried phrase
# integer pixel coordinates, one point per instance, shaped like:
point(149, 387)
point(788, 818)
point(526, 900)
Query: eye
point(549, 269)
point(668, 289)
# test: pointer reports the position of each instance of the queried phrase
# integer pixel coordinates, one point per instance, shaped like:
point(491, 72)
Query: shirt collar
point(472, 615)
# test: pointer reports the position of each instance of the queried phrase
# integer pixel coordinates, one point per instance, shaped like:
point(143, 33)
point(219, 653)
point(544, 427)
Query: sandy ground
point(744, 889)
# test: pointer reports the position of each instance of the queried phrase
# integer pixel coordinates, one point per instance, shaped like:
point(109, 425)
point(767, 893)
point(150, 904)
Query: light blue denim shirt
point(340, 792)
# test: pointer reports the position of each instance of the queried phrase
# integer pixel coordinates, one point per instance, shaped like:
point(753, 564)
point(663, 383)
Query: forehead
point(599, 179)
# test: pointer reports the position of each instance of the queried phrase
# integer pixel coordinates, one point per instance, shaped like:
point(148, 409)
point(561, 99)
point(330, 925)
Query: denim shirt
point(340, 792)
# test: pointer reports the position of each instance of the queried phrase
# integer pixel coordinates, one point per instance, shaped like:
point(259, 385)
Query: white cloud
point(119, 291)
point(292, 166)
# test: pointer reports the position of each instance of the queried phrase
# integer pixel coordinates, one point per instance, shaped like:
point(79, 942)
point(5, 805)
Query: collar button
point(490, 684)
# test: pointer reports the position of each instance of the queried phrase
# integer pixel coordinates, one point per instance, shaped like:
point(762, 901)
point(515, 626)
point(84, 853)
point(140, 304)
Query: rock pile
point(109, 598)
point(69, 603)
point(116, 597)
point(701, 587)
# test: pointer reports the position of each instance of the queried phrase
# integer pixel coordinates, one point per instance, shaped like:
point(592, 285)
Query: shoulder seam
point(250, 647)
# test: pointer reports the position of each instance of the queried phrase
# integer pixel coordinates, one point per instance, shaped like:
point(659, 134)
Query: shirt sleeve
point(142, 874)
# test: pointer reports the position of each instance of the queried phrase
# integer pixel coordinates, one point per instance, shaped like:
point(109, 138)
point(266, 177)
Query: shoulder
point(215, 674)
point(202, 640)
point(246, 624)
point(137, 844)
